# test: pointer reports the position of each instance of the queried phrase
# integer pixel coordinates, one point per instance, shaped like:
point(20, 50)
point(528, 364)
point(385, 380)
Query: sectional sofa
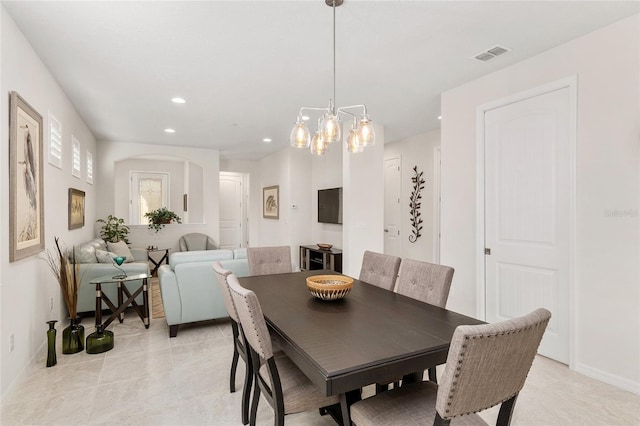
point(188, 285)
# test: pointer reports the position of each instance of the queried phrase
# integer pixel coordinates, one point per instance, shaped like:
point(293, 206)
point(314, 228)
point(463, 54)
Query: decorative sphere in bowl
point(329, 287)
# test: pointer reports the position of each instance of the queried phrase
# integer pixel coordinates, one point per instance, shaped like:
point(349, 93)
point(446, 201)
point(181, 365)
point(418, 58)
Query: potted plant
point(114, 229)
point(161, 217)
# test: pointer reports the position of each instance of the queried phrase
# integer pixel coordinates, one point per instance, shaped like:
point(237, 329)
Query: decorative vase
point(73, 337)
point(99, 341)
point(51, 343)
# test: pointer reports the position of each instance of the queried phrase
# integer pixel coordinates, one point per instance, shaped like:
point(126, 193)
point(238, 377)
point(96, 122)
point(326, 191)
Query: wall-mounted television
point(330, 205)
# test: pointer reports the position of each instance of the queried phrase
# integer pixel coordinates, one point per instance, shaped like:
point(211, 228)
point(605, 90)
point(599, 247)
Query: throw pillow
point(86, 253)
point(120, 249)
point(105, 256)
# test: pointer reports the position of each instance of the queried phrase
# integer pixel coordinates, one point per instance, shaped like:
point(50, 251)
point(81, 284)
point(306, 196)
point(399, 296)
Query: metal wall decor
point(414, 205)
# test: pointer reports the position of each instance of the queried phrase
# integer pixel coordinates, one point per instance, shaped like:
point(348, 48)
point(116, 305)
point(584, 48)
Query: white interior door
point(392, 210)
point(231, 210)
point(527, 213)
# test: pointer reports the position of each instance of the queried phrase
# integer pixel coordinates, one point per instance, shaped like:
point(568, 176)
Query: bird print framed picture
point(270, 202)
point(26, 210)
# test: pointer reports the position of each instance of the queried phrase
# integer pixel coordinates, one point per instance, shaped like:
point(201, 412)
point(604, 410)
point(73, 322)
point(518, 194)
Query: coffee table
point(118, 311)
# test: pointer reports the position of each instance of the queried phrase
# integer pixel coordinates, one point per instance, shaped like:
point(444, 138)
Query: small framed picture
point(270, 202)
point(76, 208)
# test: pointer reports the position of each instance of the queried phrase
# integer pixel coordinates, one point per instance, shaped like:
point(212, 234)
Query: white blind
point(55, 142)
point(75, 157)
point(89, 167)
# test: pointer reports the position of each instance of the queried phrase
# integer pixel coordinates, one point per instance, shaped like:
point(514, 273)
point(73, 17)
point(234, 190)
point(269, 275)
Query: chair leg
point(432, 375)
point(246, 389)
point(439, 421)
point(234, 367)
point(254, 402)
point(506, 411)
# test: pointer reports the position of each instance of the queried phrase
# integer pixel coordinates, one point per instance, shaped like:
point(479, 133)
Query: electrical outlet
point(11, 342)
point(51, 304)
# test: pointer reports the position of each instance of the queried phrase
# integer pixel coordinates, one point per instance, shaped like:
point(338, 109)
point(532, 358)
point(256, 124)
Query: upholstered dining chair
point(379, 269)
point(239, 345)
point(269, 260)
point(283, 385)
point(196, 241)
point(429, 283)
point(487, 365)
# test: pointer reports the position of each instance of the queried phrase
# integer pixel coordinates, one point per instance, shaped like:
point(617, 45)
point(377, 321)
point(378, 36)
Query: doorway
point(233, 210)
point(392, 209)
point(528, 209)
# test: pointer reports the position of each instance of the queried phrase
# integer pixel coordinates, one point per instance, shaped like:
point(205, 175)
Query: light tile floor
point(150, 379)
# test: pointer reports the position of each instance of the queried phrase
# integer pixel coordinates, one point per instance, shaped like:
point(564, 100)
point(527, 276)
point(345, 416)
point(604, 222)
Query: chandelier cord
point(334, 58)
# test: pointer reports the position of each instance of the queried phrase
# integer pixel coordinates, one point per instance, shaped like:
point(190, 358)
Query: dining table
point(372, 335)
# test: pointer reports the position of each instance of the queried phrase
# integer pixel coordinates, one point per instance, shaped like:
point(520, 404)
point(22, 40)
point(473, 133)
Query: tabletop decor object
point(329, 287)
point(118, 261)
point(414, 205)
point(324, 246)
point(64, 267)
point(51, 343)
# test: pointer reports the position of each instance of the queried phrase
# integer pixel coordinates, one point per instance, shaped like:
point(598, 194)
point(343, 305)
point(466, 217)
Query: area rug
point(157, 309)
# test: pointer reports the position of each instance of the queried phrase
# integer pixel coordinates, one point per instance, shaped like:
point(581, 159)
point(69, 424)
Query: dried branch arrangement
point(64, 267)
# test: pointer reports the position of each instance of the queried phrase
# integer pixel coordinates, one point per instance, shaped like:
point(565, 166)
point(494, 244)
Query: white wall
point(109, 153)
point(327, 173)
point(27, 285)
point(607, 290)
point(416, 151)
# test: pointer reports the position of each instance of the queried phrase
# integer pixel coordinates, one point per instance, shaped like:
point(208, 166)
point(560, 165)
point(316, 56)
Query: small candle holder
point(118, 261)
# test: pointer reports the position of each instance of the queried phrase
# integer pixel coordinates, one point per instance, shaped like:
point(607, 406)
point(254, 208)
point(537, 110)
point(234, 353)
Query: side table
point(156, 264)
point(103, 338)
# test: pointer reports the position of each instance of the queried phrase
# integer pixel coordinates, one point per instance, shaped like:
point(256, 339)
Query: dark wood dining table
point(371, 336)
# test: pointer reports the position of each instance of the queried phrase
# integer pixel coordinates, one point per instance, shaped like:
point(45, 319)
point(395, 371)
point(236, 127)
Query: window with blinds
point(89, 167)
point(55, 142)
point(75, 157)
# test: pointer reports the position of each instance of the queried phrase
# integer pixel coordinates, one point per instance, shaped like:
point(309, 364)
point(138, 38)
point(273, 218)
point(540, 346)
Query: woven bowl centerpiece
point(329, 287)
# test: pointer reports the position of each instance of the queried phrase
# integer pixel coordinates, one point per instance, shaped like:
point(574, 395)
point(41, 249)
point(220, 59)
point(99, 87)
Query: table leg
point(145, 302)
point(120, 300)
point(98, 304)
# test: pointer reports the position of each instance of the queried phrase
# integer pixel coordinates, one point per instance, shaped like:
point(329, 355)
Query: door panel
point(392, 211)
point(231, 211)
point(527, 183)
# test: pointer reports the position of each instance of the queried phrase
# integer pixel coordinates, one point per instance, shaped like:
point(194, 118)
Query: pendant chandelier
point(329, 130)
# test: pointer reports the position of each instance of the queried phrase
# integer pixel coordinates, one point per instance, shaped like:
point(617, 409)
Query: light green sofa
point(91, 269)
point(188, 285)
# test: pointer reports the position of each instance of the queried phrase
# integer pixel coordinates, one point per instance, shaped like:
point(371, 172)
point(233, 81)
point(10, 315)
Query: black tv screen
point(330, 205)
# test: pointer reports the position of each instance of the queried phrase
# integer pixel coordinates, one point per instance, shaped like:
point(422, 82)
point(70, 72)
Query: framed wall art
point(270, 202)
point(76, 208)
point(26, 198)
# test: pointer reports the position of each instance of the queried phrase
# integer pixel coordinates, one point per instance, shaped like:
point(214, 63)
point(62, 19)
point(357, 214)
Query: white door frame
point(572, 84)
point(436, 204)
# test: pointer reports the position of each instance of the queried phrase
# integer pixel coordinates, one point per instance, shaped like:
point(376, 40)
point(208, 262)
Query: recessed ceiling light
point(267, 140)
point(178, 100)
point(170, 130)
point(439, 117)
point(305, 117)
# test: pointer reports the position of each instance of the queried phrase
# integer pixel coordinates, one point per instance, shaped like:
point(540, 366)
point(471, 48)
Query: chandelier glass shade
point(362, 133)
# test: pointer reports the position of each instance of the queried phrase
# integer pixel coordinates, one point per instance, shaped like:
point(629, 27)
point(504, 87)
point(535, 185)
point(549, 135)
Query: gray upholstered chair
point(379, 269)
point(283, 385)
point(427, 282)
point(269, 260)
point(487, 365)
point(239, 345)
point(196, 241)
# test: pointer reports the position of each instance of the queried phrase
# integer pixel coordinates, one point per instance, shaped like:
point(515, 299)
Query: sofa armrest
point(170, 295)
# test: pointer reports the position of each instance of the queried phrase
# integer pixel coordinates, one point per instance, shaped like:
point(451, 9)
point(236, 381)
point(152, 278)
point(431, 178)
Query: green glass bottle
point(73, 337)
point(99, 341)
point(51, 343)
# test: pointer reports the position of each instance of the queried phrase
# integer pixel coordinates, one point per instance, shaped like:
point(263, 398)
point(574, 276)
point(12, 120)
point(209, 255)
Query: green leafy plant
point(114, 229)
point(160, 217)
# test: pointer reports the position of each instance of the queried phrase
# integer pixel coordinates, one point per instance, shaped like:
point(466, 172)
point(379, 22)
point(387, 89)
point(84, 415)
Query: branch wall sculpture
point(414, 205)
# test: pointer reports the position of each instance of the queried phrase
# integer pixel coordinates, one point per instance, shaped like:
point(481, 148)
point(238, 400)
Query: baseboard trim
point(24, 373)
point(611, 379)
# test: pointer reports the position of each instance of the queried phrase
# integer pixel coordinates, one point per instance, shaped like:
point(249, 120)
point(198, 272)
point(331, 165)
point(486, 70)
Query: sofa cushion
point(105, 256)
point(240, 253)
point(86, 253)
point(121, 249)
point(198, 256)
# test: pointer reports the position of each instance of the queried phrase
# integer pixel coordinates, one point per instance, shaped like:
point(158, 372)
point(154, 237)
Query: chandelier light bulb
point(365, 131)
point(300, 135)
point(353, 141)
point(318, 145)
point(331, 128)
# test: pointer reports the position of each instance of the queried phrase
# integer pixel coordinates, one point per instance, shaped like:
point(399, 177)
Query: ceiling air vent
point(491, 53)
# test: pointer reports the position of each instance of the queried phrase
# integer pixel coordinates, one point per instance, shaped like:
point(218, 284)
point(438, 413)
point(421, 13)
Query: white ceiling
point(246, 67)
